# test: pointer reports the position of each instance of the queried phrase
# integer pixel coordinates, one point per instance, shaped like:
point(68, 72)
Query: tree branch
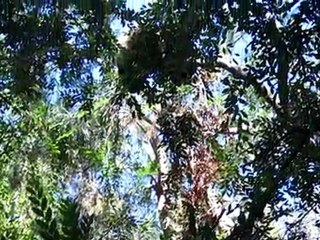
point(240, 73)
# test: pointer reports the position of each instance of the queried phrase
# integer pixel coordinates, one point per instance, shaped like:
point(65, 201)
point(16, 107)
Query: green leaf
point(31, 190)
point(67, 134)
point(41, 225)
point(44, 204)
point(53, 225)
point(34, 200)
point(48, 215)
point(40, 192)
point(37, 211)
point(150, 169)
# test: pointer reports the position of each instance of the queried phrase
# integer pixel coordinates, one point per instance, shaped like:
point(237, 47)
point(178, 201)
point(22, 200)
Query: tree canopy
point(199, 120)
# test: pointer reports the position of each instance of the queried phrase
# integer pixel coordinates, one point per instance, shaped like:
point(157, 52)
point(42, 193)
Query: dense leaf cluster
point(95, 135)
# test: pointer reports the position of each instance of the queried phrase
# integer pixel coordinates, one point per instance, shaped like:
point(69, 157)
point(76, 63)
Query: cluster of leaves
point(60, 120)
point(163, 55)
point(282, 73)
point(71, 224)
point(38, 42)
point(49, 151)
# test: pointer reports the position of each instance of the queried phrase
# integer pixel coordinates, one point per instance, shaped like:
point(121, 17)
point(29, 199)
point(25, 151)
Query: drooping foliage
point(203, 124)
